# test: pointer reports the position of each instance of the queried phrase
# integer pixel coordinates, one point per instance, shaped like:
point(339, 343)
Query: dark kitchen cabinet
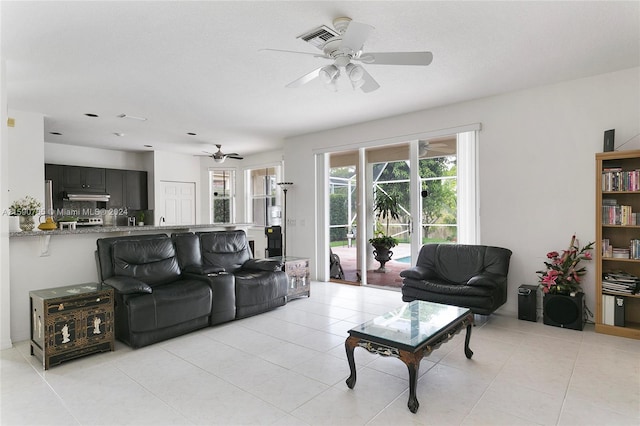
point(115, 188)
point(54, 172)
point(128, 188)
point(136, 195)
point(84, 179)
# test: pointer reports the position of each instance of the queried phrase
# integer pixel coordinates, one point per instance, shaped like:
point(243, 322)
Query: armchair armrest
point(272, 265)
point(128, 285)
point(418, 273)
point(486, 279)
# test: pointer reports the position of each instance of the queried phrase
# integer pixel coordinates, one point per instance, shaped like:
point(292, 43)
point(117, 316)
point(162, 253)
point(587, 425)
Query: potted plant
point(563, 303)
point(141, 218)
point(386, 207)
point(25, 209)
point(562, 273)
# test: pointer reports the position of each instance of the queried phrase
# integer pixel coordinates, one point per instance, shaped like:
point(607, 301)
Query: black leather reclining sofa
point(168, 286)
point(470, 276)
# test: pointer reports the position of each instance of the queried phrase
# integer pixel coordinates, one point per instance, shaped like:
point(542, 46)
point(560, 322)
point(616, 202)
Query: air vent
point(318, 36)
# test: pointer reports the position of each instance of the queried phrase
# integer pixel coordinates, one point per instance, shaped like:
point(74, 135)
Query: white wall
point(72, 155)
point(23, 175)
point(536, 164)
point(26, 150)
point(5, 293)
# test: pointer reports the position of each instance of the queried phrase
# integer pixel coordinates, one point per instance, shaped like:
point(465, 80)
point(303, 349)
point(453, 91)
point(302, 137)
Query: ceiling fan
point(344, 47)
point(424, 147)
point(219, 156)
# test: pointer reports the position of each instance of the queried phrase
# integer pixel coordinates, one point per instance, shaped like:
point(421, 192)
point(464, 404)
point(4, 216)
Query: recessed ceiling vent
point(318, 36)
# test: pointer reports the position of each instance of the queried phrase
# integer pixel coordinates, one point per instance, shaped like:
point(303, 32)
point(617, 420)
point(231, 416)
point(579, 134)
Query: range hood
point(86, 197)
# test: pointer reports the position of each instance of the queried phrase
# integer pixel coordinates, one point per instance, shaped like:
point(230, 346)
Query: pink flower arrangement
point(562, 275)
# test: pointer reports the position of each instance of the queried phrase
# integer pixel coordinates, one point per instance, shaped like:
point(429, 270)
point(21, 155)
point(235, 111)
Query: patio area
point(398, 263)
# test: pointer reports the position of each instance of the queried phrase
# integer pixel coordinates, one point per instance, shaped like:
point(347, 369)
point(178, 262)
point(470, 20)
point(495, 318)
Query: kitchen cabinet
point(128, 189)
point(83, 179)
point(115, 188)
point(53, 172)
point(136, 195)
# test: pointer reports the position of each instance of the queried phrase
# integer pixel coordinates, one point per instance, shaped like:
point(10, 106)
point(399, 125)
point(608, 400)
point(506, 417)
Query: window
point(222, 195)
point(438, 182)
point(263, 206)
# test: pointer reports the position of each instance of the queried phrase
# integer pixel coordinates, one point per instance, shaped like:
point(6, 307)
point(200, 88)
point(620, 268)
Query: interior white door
point(178, 202)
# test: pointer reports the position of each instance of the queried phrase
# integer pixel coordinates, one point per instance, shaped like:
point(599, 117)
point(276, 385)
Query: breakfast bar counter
point(130, 229)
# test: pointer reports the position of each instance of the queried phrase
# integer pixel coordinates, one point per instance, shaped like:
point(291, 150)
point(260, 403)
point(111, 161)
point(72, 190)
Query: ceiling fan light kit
point(345, 45)
point(329, 73)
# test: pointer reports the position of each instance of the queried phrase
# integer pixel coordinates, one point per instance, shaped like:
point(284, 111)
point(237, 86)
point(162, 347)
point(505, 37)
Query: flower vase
point(26, 223)
point(563, 310)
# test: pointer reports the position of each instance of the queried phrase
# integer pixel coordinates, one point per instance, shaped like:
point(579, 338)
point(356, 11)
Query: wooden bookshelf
point(619, 236)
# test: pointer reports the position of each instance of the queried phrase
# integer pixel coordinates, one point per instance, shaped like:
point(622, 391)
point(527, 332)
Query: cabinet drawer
point(57, 306)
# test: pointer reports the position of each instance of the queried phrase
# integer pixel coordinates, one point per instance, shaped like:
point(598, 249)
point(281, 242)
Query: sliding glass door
point(430, 186)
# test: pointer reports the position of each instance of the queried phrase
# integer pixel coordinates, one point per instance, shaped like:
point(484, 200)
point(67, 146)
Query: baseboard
point(5, 343)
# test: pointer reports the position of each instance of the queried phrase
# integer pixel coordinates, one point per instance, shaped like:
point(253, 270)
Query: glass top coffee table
point(410, 333)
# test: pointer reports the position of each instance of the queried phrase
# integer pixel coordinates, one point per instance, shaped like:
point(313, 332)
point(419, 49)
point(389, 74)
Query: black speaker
point(274, 241)
point(564, 311)
point(528, 302)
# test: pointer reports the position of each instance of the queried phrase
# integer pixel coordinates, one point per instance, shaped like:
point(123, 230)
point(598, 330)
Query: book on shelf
point(618, 311)
point(607, 249)
point(608, 309)
point(620, 253)
point(634, 249)
point(620, 282)
point(616, 179)
point(618, 215)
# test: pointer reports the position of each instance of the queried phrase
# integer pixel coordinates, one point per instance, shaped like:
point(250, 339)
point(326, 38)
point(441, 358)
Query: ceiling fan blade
point(356, 35)
point(396, 58)
point(443, 150)
point(370, 84)
point(305, 78)
point(299, 53)
point(235, 156)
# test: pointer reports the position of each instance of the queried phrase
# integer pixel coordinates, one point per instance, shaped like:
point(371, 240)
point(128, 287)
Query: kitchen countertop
point(107, 229)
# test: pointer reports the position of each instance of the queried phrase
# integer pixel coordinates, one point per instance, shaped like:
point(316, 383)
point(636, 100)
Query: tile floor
point(288, 367)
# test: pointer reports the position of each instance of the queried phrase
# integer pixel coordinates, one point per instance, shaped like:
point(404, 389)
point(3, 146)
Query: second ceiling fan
point(220, 156)
point(344, 47)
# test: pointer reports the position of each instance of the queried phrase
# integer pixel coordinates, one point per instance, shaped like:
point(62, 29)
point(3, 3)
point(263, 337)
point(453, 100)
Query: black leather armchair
point(471, 276)
point(154, 300)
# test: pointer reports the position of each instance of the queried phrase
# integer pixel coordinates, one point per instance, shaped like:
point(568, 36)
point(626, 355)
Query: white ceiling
point(196, 66)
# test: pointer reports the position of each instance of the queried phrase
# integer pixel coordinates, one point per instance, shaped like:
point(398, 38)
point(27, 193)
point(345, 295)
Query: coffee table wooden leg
point(468, 352)
point(412, 360)
point(349, 346)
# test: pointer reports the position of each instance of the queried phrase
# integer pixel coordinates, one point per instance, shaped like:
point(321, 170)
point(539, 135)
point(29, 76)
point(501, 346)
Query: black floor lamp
point(285, 187)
